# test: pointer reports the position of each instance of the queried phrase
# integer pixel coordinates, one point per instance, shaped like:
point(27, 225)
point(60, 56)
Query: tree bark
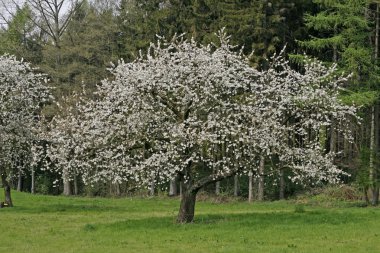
point(372, 173)
point(236, 186)
point(173, 191)
point(75, 185)
point(250, 186)
point(19, 181)
point(217, 188)
point(282, 184)
point(374, 123)
point(375, 196)
point(66, 187)
point(66, 184)
point(117, 189)
point(189, 192)
point(152, 187)
point(365, 195)
point(7, 191)
point(332, 136)
point(187, 207)
point(32, 187)
point(260, 190)
point(181, 188)
point(377, 32)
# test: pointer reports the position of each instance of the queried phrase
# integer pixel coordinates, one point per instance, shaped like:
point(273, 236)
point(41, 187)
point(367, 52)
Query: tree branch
point(209, 180)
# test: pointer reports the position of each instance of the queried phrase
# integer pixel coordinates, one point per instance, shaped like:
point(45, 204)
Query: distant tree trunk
point(374, 123)
point(365, 195)
point(332, 136)
point(66, 187)
point(7, 191)
point(250, 186)
point(114, 189)
point(75, 185)
point(260, 190)
point(173, 191)
point(32, 187)
point(372, 173)
point(152, 187)
point(66, 184)
point(282, 184)
point(377, 32)
point(218, 153)
point(236, 186)
point(375, 196)
point(181, 188)
point(217, 188)
point(19, 181)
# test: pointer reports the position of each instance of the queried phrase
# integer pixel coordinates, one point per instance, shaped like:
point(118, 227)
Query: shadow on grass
point(236, 221)
point(66, 208)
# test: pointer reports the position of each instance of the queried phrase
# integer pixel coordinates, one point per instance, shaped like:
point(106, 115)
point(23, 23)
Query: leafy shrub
point(331, 195)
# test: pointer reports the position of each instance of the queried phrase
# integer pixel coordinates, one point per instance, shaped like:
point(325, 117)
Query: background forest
point(74, 42)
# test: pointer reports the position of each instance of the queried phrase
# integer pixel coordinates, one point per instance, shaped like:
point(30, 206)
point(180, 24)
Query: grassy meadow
point(40, 223)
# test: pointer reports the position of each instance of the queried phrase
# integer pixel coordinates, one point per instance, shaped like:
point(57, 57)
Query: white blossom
point(201, 112)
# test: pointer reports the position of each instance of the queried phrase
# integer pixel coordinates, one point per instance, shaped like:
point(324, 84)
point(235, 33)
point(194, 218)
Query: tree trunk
point(217, 188)
point(187, 207)
point(236, 186)
point(332, 136)
point(66, 187)
point(66, 183)
point(374, 123)
point(32, 188)
point(117, 189)
point(250, 186)
point(190, 190)
point(282, 184)
point(260, 190)
point(375, 196)
point(377, 32)
point(181, 188)
point(173, 191)
point(7, 191)
point(75, 185)
point(152, 187)
point(19, 181)
point(372, 173)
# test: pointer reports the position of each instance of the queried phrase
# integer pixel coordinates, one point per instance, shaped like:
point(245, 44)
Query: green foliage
point(256, 25)
point(339, 32)
point(362, 177)
point(19, 37)
point(86, 49)
point(331, 196)
point(364, 98)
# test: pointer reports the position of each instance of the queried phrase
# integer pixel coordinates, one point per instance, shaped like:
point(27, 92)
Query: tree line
point(74, 43)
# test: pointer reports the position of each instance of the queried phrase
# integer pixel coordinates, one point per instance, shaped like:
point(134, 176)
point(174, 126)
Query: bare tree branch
point(53, 16)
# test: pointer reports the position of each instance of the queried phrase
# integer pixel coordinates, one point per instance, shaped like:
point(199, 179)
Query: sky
point(9, 6)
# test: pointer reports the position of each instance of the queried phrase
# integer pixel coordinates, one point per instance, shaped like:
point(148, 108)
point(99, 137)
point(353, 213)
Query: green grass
point(58, 224)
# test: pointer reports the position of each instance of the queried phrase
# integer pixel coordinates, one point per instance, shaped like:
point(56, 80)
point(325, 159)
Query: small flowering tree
point(203, 114)
point(62, 138)
point(21, 95)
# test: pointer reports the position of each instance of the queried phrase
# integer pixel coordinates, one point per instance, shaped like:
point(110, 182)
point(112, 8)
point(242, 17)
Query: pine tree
point(346, 32)
point(19, 37)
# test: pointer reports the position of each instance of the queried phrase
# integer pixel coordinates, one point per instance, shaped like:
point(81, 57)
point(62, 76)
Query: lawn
point(59, 224)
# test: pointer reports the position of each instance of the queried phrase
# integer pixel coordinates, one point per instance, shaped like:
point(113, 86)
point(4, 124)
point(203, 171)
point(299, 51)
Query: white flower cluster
point(203, 113)
point(22, 92)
